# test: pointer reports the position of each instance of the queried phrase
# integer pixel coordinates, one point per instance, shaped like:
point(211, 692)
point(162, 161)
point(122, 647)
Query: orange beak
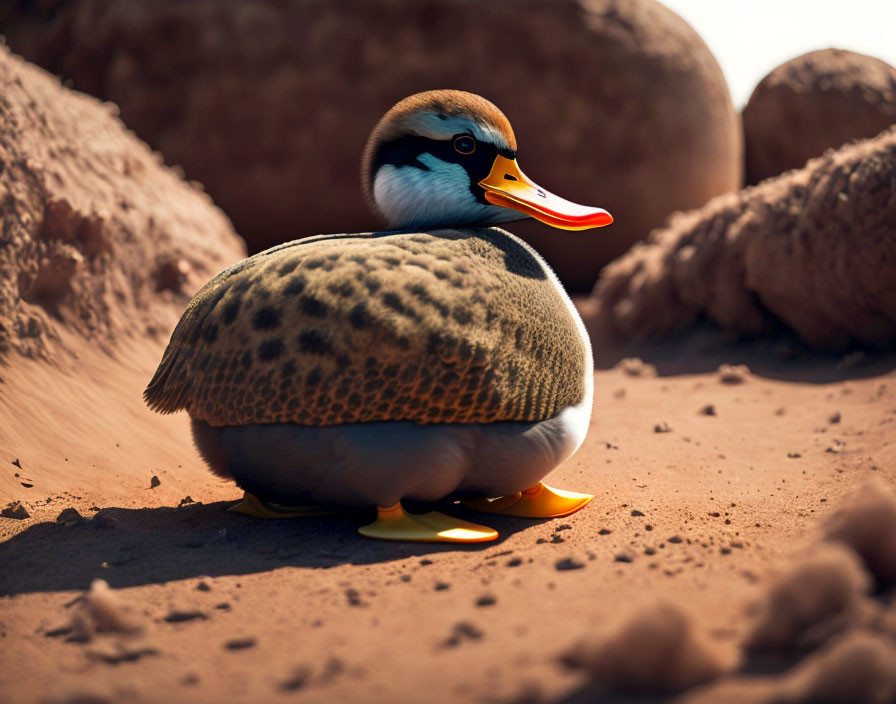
point(508, 187)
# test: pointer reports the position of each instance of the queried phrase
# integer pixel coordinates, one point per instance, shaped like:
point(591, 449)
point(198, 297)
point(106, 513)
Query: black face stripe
point(405, 151)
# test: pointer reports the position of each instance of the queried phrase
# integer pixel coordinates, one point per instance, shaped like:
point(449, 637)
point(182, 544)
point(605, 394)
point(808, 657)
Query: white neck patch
point(412, 197)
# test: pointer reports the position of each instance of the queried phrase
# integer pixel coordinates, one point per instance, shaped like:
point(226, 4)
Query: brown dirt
point(817, 101)
point(812, 251)
point(249, 97)
point(711, 516)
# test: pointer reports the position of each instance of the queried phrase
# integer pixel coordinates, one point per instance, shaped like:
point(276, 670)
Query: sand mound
point(815, 598)
point(657, 650)
point(249, 98)
point(861, 667)
point(815, 102)
point(102, 247)
point(813, 249)
point(93, 225)
point(867, 523)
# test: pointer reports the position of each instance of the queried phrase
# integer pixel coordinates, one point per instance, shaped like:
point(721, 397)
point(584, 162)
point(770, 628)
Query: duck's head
point(445, 158)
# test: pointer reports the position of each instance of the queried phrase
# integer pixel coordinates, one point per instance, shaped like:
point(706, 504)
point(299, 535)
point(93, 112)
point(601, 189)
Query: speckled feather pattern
point(448, 326)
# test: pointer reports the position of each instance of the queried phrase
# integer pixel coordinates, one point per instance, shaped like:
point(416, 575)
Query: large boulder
point(817, 101)
point(617, 104)
point(814, 249)
point(101, 247)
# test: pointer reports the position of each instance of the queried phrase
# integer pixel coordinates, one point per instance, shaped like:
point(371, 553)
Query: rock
point(154, 482)
point(629, 112)
point(656, 650)
point(815, 102)
point(15, 509)
point(793, 250)
point(69, 517)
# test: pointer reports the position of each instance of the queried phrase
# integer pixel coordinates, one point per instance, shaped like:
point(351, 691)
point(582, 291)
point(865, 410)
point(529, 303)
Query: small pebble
point(708, 410)
point(297, 679)
point(69, 517)
point(154, 482)
point(462, 631)
point(240, 643)
point(177, 616)
point(568, 563)
point(486, 600)
point(623, 557)
point(733, 374)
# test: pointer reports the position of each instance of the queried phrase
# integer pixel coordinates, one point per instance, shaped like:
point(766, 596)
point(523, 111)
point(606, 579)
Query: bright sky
point(750, 38)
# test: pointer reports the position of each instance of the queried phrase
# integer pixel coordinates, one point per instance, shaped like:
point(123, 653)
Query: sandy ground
point(696, 507)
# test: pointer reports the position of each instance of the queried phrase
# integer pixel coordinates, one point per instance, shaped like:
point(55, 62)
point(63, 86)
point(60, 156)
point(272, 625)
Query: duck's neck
point(433, 195)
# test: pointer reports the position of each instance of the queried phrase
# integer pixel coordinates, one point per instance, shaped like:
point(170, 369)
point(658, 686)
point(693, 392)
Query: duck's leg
point(394, 523)
point(539, 501)
point(251, 505)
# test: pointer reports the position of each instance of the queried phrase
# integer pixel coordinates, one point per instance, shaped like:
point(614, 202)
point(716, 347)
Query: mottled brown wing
point(453, 326)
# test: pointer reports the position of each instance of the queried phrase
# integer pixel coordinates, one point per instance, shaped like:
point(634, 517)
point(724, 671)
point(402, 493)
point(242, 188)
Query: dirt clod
point(15, 509)
point(816, 597)
point(656, 650)
point(866, 522)
point(240, 643)
point(104, 610)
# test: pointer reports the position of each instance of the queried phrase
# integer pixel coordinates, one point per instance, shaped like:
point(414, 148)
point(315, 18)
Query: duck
point(438, 360)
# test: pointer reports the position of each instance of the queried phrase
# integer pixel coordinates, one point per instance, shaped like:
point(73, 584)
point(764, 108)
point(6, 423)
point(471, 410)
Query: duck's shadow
point(131, 547)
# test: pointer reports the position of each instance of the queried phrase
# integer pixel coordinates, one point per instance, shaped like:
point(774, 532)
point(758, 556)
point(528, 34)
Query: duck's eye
point(464, 144)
